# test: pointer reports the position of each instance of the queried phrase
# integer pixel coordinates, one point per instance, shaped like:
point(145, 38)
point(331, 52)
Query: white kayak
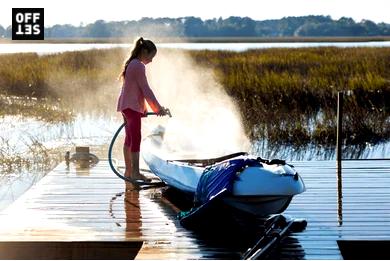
point(260, 190)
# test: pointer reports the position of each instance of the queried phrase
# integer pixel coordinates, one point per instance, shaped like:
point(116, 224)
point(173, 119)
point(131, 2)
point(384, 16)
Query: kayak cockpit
point(212, 161)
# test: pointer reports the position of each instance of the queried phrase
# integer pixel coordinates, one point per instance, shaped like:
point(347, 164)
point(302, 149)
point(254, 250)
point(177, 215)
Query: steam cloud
point(206, 122)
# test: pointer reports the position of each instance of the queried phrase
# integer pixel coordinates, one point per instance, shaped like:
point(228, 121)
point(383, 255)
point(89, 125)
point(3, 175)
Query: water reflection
point(14, 185)
point(132, 214)
point(221, 238)
point(217, 241)
point(20, 132)
point(339, 169)
point(30, 148)
point(82, 171)
point(319, 152)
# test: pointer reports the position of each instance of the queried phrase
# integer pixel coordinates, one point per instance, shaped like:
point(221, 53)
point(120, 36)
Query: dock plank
point(365, 206)
point(70, 204)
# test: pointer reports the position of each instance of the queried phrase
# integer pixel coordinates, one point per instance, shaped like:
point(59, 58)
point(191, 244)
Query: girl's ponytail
point(139, 45)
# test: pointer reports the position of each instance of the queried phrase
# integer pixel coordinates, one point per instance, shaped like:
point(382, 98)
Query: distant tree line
point(305, 26)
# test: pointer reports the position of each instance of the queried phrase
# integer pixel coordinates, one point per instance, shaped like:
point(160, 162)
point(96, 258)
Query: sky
point(76, 12)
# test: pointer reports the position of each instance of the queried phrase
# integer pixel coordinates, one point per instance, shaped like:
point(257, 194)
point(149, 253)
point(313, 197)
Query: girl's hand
point(162, 111)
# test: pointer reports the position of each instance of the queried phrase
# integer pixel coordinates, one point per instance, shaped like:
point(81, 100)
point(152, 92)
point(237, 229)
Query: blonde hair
point(139, 45)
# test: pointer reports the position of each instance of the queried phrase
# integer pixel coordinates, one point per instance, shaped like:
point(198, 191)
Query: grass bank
point(287, 96)
point(290, 94)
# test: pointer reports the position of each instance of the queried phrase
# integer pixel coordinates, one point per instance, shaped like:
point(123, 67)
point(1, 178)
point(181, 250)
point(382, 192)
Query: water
point(87, 130)
point(18, 134)
point(14, 185)
point(316, 152)
point(84, 130)
point(45, 48)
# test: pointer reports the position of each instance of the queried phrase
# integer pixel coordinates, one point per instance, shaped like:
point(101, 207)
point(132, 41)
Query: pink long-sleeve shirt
point(135, 90)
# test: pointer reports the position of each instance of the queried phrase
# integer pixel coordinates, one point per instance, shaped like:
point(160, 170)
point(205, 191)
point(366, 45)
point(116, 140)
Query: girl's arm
point(146, 90)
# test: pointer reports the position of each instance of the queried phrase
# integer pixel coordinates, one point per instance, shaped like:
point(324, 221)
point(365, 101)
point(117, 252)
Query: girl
point(131, 102)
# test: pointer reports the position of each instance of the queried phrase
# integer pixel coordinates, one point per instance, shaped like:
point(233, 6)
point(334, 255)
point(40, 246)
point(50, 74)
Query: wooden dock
point(72, 209)
point(365, 208)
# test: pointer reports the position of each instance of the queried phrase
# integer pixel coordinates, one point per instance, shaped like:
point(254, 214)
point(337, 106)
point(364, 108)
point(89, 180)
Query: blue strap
point(215, 181)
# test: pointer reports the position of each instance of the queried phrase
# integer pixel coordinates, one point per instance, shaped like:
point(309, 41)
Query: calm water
point(44, 48)
point(18, 134)
point(85, 130)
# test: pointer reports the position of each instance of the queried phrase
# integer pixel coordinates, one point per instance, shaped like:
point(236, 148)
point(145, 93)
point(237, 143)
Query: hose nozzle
point(166, 111)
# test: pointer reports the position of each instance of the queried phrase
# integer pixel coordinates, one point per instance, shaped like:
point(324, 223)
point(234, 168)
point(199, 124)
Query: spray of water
point(205, 122)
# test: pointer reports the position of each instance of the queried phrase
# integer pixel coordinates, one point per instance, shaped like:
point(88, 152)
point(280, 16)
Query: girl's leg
point(128, 164)
point(135, 170)
point(135, 167)
point(127, 158)
point(136, 147)
point(133, 140)
point(126, 146)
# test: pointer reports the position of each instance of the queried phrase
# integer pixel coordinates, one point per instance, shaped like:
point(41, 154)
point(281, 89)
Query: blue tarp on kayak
point(216, 181)
point(219, 177)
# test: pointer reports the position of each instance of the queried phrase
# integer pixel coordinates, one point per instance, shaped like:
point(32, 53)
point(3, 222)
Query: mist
point(205, 120)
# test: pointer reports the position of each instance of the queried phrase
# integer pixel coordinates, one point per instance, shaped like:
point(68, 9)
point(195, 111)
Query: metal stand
point(276, 227)
point(339, 157)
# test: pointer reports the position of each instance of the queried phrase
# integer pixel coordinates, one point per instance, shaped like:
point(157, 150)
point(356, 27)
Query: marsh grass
point(67, 80)
point(291, 94)
point(286, 95)
point(35, 157)
point(48, 110)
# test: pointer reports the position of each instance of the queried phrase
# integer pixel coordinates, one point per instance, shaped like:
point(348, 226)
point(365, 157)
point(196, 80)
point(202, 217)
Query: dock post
point(339, 156)
point(83, 156)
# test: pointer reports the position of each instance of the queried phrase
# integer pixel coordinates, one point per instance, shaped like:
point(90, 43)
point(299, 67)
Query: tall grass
point(290, 94)
point(48, 110)
point(65, 81)
point(287, 96)
point(36, 157)
point(304, 79)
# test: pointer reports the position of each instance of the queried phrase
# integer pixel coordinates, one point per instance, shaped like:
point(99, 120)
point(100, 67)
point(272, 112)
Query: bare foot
point(129, 186)
point(142, 177)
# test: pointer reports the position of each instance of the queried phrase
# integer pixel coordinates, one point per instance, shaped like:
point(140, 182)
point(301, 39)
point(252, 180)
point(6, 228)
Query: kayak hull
point(259, 190)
